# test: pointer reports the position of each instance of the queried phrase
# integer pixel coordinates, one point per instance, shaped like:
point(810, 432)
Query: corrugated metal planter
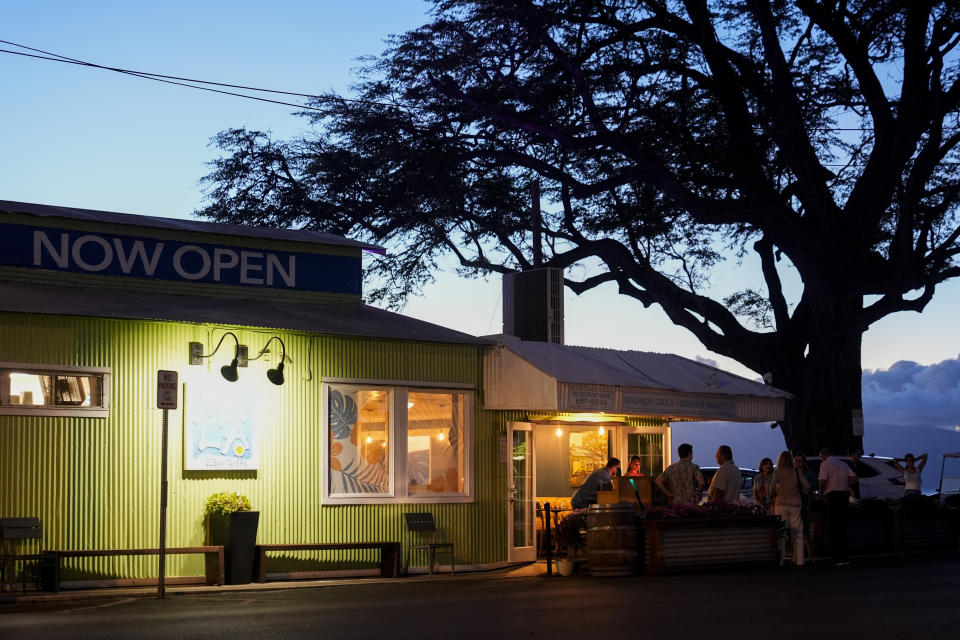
point(674, 545)
point(931, 533)
point(870, 532)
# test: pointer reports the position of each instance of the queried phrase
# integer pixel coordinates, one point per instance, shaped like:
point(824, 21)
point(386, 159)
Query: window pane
point(28, 389)
point(54, 390)
point(649, 446)
point(359, 424)
point(435, 443)
point(588, 452)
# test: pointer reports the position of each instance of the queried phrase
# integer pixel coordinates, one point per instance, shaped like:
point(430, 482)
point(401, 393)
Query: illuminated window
point(435, 443)
point(53, 390)
point(649, 446)
point(396, 444)
point(359, 435)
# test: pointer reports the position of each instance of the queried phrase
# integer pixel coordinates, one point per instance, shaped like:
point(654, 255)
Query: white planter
point(565, 567)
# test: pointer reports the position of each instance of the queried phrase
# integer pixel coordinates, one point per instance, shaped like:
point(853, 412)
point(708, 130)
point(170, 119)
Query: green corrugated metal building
point(377, 414)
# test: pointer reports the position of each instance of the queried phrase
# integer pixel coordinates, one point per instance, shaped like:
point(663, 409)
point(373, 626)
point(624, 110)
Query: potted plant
point(231, 523)
point(570, 537)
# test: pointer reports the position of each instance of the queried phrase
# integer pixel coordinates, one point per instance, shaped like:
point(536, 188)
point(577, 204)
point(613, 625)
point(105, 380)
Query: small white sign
point(166, 389)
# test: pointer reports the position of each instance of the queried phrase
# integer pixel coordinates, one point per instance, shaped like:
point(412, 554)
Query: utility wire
point(184, 82)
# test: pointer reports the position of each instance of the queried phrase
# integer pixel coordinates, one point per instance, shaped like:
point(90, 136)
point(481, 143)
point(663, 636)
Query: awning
point(541, 376)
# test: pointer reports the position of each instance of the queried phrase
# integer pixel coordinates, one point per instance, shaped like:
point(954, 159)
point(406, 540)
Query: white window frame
point(7, 409)
point(399, 393)
point(620, 444)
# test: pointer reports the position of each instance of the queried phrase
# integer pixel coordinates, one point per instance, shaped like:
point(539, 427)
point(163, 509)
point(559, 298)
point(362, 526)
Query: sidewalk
point(530, 570)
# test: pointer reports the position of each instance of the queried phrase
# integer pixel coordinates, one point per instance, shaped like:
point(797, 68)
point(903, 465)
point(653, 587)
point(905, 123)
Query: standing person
point(633, 467)
point(789, 487)
point(763, 485)
point(911, 472)
point(725, 486)
point(682, 481)
point(586, 495)
point(800, 464)
point(836, 478)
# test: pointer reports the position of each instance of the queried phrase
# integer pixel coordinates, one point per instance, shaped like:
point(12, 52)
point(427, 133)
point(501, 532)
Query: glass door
point(521, 494)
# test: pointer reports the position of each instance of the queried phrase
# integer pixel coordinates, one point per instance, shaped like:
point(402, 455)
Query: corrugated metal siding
point(690, 548)
point(95, 482)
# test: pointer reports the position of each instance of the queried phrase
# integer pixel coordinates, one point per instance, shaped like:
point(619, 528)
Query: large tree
point(815, 140)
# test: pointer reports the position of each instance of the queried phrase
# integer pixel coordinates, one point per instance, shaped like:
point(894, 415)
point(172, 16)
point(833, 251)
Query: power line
point(185, 82)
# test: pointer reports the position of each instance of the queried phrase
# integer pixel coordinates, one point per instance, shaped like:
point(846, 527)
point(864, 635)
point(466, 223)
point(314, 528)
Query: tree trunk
point(827, 386)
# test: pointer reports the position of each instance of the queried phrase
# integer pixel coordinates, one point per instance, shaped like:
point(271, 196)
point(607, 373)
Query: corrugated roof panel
point(596, 366)
point(335, 319)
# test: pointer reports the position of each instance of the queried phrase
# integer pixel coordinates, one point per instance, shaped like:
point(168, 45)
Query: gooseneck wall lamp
point(228, 371)
point(275, 375)
point(240, 359)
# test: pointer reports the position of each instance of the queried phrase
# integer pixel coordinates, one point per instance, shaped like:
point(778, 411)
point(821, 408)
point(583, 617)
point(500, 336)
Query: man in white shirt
point(836, 479)
point(725, 486)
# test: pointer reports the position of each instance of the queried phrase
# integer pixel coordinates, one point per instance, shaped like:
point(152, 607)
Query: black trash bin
point(49, 568)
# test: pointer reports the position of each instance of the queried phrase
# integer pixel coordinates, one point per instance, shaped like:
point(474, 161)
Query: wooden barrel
point(612, 539)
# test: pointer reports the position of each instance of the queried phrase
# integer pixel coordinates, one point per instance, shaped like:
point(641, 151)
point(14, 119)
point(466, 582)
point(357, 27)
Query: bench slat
point(389, 554)
point(80, 553)
point(329, 546)
point(213, 565)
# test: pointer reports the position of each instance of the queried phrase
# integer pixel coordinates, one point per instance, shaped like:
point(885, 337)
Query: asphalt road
point(882, 598)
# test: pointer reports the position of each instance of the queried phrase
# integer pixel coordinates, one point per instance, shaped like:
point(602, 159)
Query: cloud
point(911, 394)
point(707, 361)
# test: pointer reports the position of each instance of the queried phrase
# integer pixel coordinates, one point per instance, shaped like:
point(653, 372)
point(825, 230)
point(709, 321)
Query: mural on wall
point(588, 452)
point(221, 436)
point(359, 447)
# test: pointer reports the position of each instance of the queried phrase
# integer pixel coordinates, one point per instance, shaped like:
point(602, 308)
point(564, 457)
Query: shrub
point(709, 510)
point(570, 526)
point(226, 502)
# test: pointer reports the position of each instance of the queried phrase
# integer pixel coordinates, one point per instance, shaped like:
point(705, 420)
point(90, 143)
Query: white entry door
point(521, 494)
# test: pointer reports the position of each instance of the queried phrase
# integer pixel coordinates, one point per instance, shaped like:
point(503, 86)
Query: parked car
point(878, 477)
point(746, 482)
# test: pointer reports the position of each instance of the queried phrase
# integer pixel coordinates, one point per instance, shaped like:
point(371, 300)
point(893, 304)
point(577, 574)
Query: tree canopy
point(665, 137)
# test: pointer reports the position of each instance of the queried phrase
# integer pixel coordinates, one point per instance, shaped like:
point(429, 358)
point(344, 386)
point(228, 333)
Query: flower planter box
point(930, 533)
point(871, 533)
point(673, 545)
point(237, 532)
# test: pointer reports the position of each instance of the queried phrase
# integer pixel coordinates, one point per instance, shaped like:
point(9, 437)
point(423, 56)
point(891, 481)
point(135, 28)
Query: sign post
point(166, 399)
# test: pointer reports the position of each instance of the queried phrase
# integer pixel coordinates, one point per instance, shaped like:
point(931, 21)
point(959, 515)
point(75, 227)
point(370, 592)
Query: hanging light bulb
point(559, 432)
point(440, 436)
point(369, 439)
point(602, 431)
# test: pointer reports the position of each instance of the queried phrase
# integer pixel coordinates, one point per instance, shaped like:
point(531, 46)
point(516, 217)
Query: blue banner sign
point(118, 255)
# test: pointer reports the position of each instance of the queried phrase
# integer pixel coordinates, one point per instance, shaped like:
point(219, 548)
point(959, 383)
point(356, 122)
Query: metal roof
point(640, 369)
point(127, 219)
point(352, 319)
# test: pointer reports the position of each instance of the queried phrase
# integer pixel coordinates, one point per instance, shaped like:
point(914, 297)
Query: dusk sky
point(91, 138)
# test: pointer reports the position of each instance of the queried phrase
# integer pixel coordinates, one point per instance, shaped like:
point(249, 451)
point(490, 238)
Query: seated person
point(587, 494)
point(633, 467)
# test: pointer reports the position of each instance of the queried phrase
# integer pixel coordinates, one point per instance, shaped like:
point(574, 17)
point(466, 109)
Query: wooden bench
point(389, 555)
point(214, 567)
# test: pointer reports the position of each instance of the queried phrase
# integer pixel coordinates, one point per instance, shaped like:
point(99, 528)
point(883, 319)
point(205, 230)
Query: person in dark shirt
point(587, 494)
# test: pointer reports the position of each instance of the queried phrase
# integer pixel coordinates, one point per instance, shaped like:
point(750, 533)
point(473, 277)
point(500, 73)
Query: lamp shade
point(229, 371)
point(276, 375)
